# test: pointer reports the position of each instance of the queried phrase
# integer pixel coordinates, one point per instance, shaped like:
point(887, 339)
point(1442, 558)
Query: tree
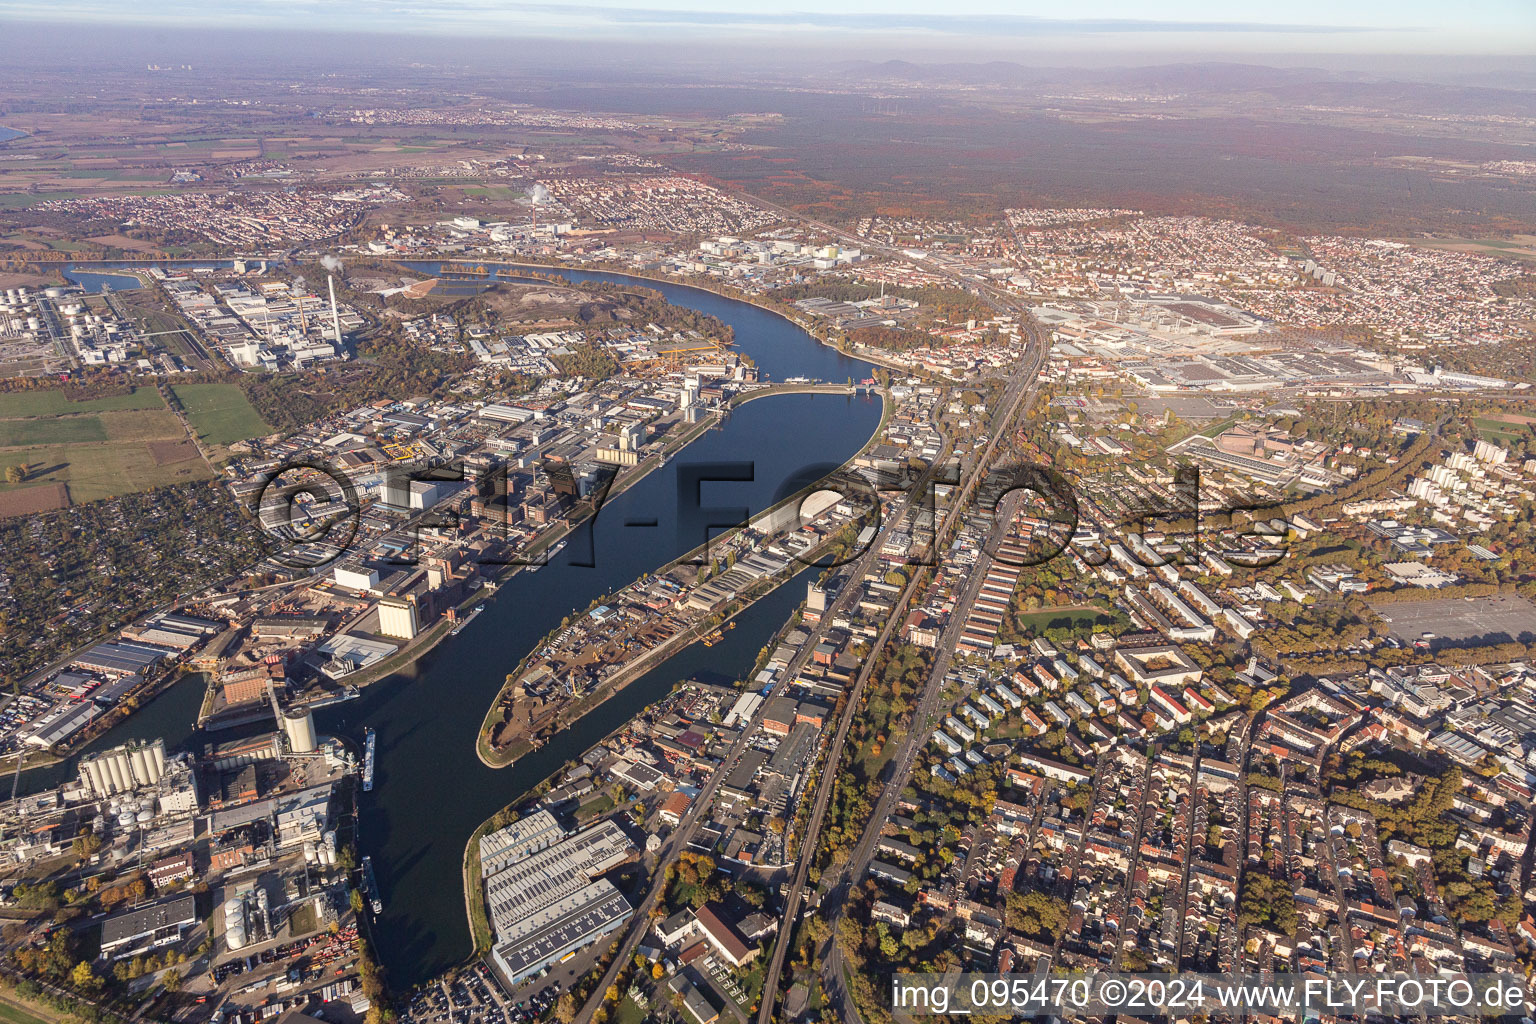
point(171, 980)
point(83, 978)
point(355, 900)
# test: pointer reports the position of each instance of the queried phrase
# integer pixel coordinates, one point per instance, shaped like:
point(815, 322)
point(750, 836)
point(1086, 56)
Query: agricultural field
point(70, 452)
point(220, 413)
point(56, 403)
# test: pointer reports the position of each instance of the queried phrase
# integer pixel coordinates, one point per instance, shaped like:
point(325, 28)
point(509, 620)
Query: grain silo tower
point(299, 727)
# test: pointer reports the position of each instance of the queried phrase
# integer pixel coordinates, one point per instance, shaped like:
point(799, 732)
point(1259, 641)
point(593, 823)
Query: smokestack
point(303, 320)
point(335, 316)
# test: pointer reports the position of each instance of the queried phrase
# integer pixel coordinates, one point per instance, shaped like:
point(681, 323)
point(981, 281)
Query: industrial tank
point(299, 727)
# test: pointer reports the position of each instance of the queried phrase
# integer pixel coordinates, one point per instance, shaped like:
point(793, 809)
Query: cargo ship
point(549, 556)
point(371, 887)
point(456, 630)
point(368, 745)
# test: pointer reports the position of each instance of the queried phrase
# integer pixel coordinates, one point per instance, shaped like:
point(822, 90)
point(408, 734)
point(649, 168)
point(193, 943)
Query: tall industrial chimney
point(335, 316)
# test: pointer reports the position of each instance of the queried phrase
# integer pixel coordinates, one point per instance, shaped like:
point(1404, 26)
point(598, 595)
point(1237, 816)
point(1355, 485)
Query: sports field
point(220, 413)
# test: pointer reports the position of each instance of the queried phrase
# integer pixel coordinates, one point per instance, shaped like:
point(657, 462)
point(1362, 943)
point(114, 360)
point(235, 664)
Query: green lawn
point(1498, 430)
point(1073, 619)
point(220, 413)
point(628, 1012)
point(54, 403)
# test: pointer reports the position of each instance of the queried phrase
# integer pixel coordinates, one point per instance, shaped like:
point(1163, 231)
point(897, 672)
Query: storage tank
point(309, 851)
point(157, 758)
point(234, 923)
point(145, 817)
point(299, 727)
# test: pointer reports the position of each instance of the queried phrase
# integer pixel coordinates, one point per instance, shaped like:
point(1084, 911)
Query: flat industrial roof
point(566, 932)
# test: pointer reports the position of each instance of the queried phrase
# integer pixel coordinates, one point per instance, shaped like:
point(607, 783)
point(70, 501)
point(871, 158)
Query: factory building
point(542, 879)
point(147, 927)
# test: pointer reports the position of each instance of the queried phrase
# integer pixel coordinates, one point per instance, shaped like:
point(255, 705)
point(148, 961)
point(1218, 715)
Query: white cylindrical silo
point(114, 766)
point(157, 759)
point(95, 779)
point(299, 726)
point(140, 762)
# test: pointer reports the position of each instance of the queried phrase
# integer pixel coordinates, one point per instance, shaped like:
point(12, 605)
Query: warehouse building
point(148, 927)
point(571, 923)
point(523, 838)
point(543, 878)
point(121, 658)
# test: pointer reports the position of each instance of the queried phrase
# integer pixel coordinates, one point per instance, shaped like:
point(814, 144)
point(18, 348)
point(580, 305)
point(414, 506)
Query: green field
point(55, 403)
point(1076, 619)
point(103, 470)
point(1499, 431)
point(100, 448)
point(60, 430)
point(220, 413)
point(11, 1013)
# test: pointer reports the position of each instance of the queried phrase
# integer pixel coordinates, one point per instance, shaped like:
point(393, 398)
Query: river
point(431, 790)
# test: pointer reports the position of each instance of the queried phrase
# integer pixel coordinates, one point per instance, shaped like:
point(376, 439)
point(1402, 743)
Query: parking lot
point(1489, 620)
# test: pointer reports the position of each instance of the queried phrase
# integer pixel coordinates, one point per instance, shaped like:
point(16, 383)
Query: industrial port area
point(517, 515)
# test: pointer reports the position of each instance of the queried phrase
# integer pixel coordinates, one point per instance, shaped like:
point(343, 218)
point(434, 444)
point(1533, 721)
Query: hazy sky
point(1379, 26)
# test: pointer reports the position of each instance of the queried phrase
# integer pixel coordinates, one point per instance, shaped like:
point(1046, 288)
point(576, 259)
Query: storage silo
point(140, 762)
point(157, 759)
point(114, 765)
point(299, 727)
point(95, 778)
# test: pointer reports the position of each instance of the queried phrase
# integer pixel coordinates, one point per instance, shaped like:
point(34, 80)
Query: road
point(900, 766)
point(696, 814)
point(1018, 387)
point(899, 769)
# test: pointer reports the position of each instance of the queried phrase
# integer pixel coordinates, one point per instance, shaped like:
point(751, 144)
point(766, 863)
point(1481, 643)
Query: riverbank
point(431, 786)
point(492, 758)
point(781, 310)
